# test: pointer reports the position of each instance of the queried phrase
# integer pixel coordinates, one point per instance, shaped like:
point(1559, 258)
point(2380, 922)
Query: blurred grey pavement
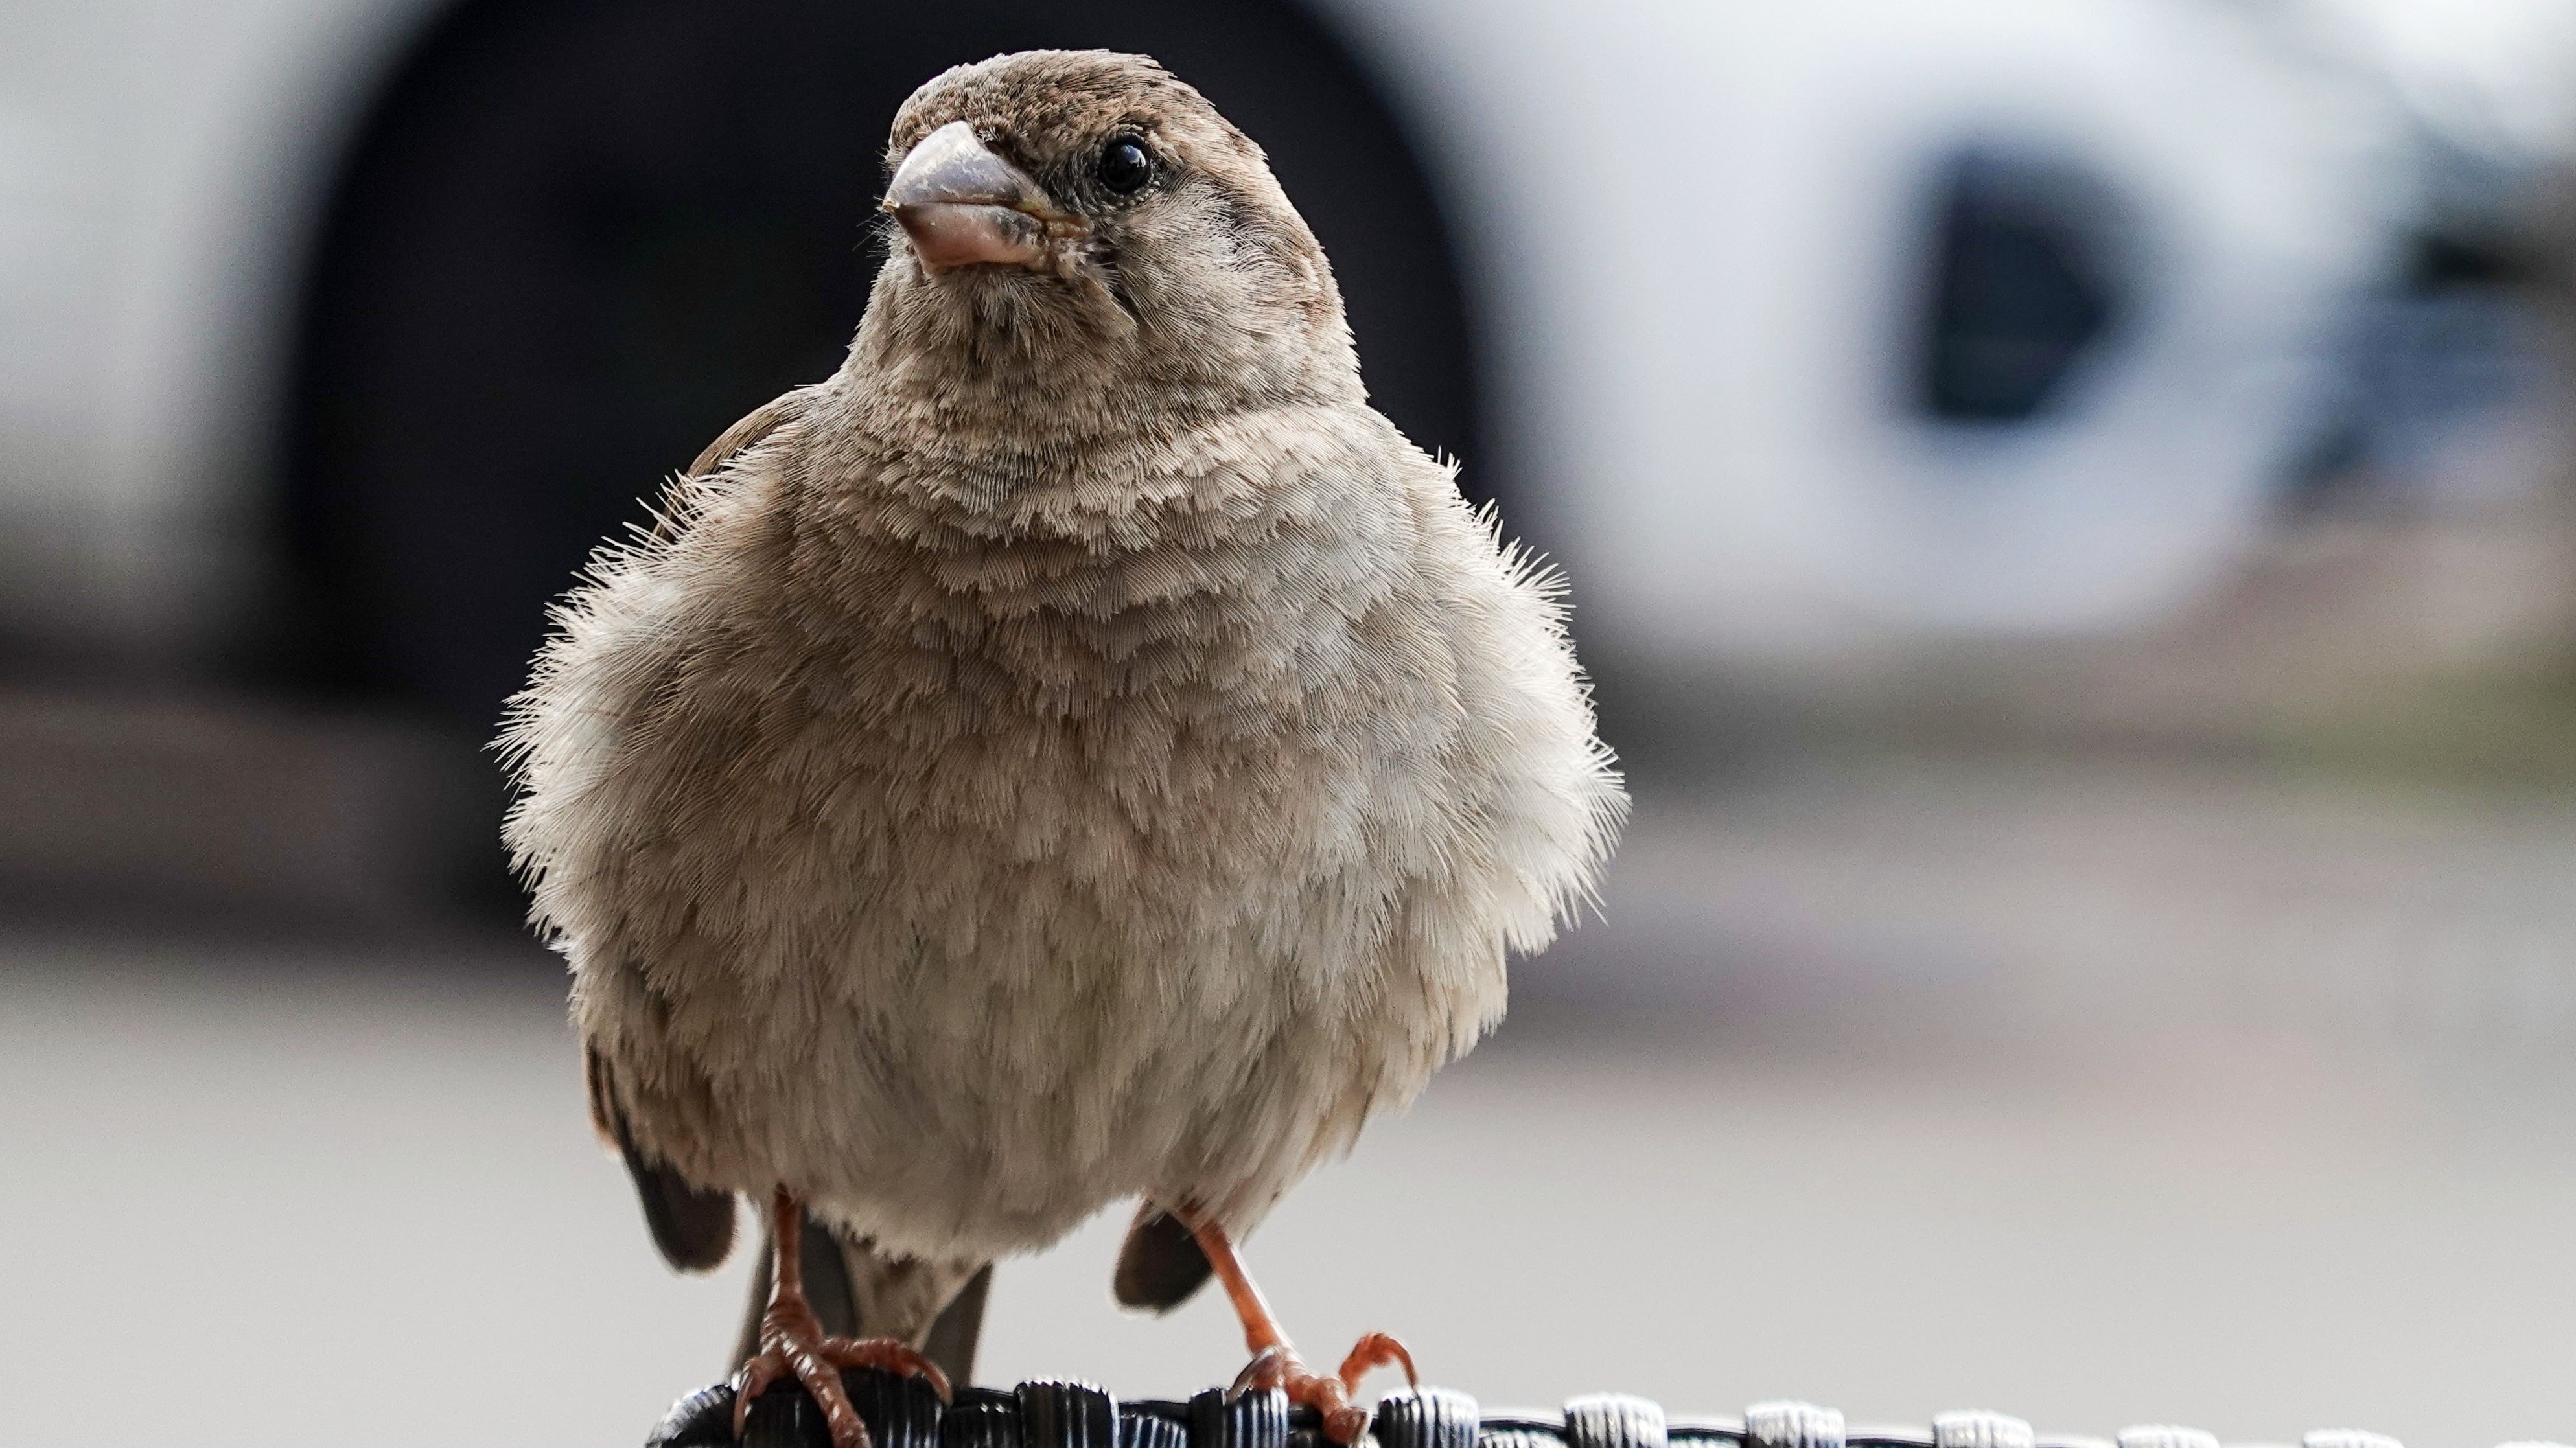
point(2064, 898)
point(2094, 1094)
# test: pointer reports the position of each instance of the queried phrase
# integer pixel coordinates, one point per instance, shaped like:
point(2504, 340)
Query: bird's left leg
point(1275, 1363)
point(792, 1341)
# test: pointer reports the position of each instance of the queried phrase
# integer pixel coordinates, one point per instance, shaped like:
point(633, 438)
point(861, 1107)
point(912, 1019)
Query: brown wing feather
point(745, 435)
point(1161, 1264)
point(733, 442)
point(691, 1224)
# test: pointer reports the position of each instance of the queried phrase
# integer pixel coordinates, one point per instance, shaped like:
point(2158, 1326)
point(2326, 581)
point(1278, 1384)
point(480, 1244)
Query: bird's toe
point(885, 1354)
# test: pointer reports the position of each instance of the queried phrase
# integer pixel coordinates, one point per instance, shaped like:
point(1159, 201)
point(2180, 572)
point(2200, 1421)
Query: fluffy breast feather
point(1041, 808)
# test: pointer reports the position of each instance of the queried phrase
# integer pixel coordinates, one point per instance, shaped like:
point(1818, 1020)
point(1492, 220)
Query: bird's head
point(1076, 230)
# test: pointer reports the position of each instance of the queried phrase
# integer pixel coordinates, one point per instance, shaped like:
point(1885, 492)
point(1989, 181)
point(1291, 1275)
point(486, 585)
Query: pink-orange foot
point(1331, 1397)
point(798, 1349)
point(792, 1343)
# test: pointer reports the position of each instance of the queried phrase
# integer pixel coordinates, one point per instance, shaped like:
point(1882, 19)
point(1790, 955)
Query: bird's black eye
point(1124, 166)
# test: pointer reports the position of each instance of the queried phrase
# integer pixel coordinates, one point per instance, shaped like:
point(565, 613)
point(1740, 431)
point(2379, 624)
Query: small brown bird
point(1077, 751)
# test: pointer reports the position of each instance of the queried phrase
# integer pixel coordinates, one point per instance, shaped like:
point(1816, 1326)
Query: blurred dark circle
point(2024, 285)
point(576, 239)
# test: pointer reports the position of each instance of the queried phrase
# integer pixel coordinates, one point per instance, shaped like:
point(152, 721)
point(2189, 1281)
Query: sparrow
point(1078, 751)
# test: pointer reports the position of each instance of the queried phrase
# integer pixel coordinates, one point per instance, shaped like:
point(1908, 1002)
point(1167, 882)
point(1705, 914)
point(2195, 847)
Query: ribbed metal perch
point(905, 1413)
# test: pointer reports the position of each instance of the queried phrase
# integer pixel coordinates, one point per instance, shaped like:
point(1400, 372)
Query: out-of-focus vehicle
point(333, 332)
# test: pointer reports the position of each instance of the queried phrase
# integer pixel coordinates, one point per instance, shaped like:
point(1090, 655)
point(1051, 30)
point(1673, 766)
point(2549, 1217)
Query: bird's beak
point(962, 205)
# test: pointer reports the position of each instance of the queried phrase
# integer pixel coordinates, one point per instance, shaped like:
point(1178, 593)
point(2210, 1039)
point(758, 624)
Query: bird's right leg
point(792, 1340)
point(1275, 1363)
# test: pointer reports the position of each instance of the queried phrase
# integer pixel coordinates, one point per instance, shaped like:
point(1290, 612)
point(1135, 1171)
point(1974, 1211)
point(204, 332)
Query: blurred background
point(2071, 505)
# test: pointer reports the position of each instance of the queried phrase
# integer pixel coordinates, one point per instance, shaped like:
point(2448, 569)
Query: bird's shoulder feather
point(756, 427)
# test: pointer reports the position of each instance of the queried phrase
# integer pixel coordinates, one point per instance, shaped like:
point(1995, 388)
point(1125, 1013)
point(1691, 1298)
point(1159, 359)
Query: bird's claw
point(1376, 1350)
point(821, 1380)
point(794, 1345)
point(889, 1355)
point(1268, 1369)
point(1331, 1397)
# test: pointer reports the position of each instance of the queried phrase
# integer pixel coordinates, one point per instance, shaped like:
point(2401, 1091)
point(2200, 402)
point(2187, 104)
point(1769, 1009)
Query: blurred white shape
point(1701, 232)
point(161, 162)
point(2501, 72)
